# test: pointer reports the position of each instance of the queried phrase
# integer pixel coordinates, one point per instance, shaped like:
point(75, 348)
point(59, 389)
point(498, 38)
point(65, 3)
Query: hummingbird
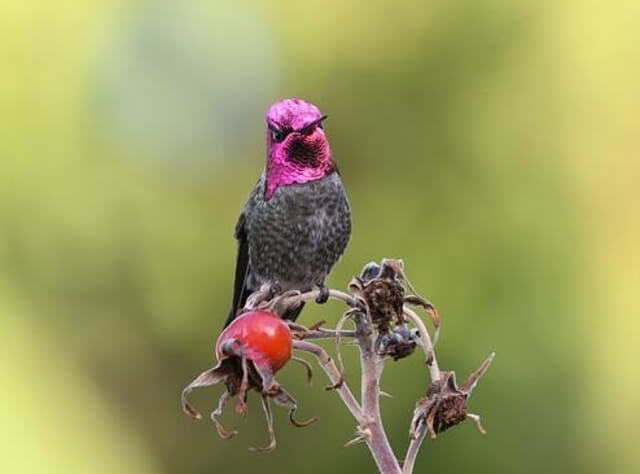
point(296, 222)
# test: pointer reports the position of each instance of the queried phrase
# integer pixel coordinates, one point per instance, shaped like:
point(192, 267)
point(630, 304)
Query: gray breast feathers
point(297, 236)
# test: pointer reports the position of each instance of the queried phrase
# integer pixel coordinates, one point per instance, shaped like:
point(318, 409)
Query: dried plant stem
point(368, 416)
point(432, 363)
point(370, 428)
point(412, 451)
point(375, 437)
point(333, 295)
point(321, 333)
point(326, 362)
point(434, 373)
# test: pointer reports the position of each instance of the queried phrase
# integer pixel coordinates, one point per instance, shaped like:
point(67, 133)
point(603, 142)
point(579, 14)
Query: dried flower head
point(382, 290)
point(445, 404)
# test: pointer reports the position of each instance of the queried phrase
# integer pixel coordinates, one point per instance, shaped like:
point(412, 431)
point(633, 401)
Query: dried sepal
point(356, 287)
point(205, 379)
point(268, 414)
point(307, 367)
point(282, 398)
point(215, 415)
point(472, 380)
point(241, 406)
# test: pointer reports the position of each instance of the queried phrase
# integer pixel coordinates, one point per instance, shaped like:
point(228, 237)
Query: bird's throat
point(280, 174)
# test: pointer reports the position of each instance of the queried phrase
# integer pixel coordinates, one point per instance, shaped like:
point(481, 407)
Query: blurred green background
point(493, 145)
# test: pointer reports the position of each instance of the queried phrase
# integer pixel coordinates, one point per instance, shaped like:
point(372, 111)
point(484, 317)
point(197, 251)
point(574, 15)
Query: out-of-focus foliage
point(493, 145)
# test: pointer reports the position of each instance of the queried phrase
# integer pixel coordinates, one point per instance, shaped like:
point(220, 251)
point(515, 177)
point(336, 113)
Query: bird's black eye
point(277, 135)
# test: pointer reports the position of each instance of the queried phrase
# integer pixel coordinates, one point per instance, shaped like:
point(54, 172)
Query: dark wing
point(240, 291)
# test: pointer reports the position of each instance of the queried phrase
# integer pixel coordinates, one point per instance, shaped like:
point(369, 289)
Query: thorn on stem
point(362, 436)
point(316, 326)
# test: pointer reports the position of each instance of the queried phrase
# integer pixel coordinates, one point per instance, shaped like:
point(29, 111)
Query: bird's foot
point(274, 289)
point(323, 297)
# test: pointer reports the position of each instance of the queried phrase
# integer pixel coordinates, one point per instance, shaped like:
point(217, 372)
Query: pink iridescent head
point(297, 149)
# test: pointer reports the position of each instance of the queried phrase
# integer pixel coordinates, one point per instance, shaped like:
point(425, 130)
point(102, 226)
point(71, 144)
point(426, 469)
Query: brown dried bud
point(445, 404)
point(385, 299)
point(398, 343)
point(382, 289)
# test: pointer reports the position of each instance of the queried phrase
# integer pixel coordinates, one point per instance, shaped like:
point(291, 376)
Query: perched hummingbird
point(296, 222)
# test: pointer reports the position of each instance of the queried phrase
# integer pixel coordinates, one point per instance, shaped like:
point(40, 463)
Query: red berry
point(265, 338)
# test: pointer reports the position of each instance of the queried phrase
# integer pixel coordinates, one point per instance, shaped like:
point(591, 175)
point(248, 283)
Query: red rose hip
point(249, 351)
point(265, 338)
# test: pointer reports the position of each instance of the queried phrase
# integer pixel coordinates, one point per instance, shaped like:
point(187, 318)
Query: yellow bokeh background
point(493, 145)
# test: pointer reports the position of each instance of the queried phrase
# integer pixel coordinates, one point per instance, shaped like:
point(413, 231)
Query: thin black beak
point(309, 127)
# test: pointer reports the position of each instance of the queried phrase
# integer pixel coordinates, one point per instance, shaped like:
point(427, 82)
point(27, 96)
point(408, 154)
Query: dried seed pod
point(445, 404)
point(398, 343)
point(382, 289)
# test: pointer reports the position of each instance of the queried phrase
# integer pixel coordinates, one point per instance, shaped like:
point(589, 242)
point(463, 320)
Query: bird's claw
point(323, 297)
point(274, 290)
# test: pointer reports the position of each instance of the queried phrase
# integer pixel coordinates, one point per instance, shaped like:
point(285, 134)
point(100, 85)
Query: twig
point(414, 448)
point(326, 362)
point(319, 333)
point(377, 440)
point(432, 363)
point(333, 295)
